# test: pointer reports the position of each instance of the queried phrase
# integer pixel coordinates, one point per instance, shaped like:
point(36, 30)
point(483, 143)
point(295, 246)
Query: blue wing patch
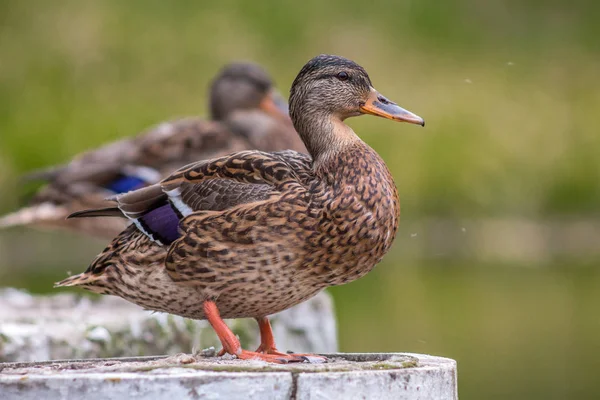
point(160, 224)
point(125, 184)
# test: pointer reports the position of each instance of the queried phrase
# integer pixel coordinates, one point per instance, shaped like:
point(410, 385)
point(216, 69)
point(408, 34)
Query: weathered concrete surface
point(181, 377)
point(433, 378)
point(67, 326)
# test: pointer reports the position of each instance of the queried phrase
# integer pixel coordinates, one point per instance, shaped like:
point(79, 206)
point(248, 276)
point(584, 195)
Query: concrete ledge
point(181, 377)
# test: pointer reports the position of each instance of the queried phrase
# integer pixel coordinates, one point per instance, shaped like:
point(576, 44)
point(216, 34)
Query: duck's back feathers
point(215, 195)
point(173, 144)
point(212, 185)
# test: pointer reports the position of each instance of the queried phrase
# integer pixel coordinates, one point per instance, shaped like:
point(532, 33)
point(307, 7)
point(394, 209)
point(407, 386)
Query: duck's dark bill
point(275, 104)
point(378, 105)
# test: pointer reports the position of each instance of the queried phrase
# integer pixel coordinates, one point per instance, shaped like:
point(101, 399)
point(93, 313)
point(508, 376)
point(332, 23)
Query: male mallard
point(246, 112)
point(253, 233)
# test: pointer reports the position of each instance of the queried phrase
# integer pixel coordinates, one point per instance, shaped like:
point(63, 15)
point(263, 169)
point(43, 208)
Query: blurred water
point(517, 332)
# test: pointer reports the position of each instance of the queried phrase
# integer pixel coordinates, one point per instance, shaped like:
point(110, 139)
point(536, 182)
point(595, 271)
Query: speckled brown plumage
point(260, 232)
point(245, 111)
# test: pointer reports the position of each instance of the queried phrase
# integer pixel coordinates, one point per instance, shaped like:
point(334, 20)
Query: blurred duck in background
point(246, 113)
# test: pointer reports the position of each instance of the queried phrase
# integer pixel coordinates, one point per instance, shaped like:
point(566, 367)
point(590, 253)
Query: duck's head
point(330, 89)
point(244, 86)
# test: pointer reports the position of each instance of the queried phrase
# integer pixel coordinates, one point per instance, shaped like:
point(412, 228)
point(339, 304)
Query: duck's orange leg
point(231, 343)
point(267, 343)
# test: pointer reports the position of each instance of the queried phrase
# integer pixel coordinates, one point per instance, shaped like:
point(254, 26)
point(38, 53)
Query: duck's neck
point(324, 135)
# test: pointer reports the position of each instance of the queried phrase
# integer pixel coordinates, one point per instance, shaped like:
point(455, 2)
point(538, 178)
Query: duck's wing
point(220, 250)
point(225, 189)
point(119, 167)
point(211, 185)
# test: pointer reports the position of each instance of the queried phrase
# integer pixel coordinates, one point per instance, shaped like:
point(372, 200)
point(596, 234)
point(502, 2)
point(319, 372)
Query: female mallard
point(250, 115)
point(253, 233)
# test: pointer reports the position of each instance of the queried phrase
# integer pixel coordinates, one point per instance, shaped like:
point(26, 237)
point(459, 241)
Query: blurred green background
point(496, 263)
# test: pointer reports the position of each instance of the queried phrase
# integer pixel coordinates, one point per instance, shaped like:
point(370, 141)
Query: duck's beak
point(275, 104)
point(377, 104)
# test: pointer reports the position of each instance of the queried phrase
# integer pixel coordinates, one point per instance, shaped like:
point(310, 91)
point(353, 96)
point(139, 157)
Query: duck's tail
point(89, 281)
point(43, 212)
point(109, 268)
point(75, 280)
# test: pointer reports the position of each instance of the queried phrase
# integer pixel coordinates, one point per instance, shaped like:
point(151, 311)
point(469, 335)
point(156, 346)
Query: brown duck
point(253, 233)
point(246, 113)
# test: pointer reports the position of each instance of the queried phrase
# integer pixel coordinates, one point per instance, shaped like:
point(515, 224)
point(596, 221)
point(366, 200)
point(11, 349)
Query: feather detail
point(175, 199)
point(160, 224)
point(138, 202)
point(100, 212)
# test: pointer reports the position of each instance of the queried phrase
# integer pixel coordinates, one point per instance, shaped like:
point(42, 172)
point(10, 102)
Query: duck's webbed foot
point(275, 357)
point(267, 350)
point(267, 344)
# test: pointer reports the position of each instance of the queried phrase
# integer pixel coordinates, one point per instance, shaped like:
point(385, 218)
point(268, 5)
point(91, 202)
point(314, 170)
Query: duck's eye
point(342, 76)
